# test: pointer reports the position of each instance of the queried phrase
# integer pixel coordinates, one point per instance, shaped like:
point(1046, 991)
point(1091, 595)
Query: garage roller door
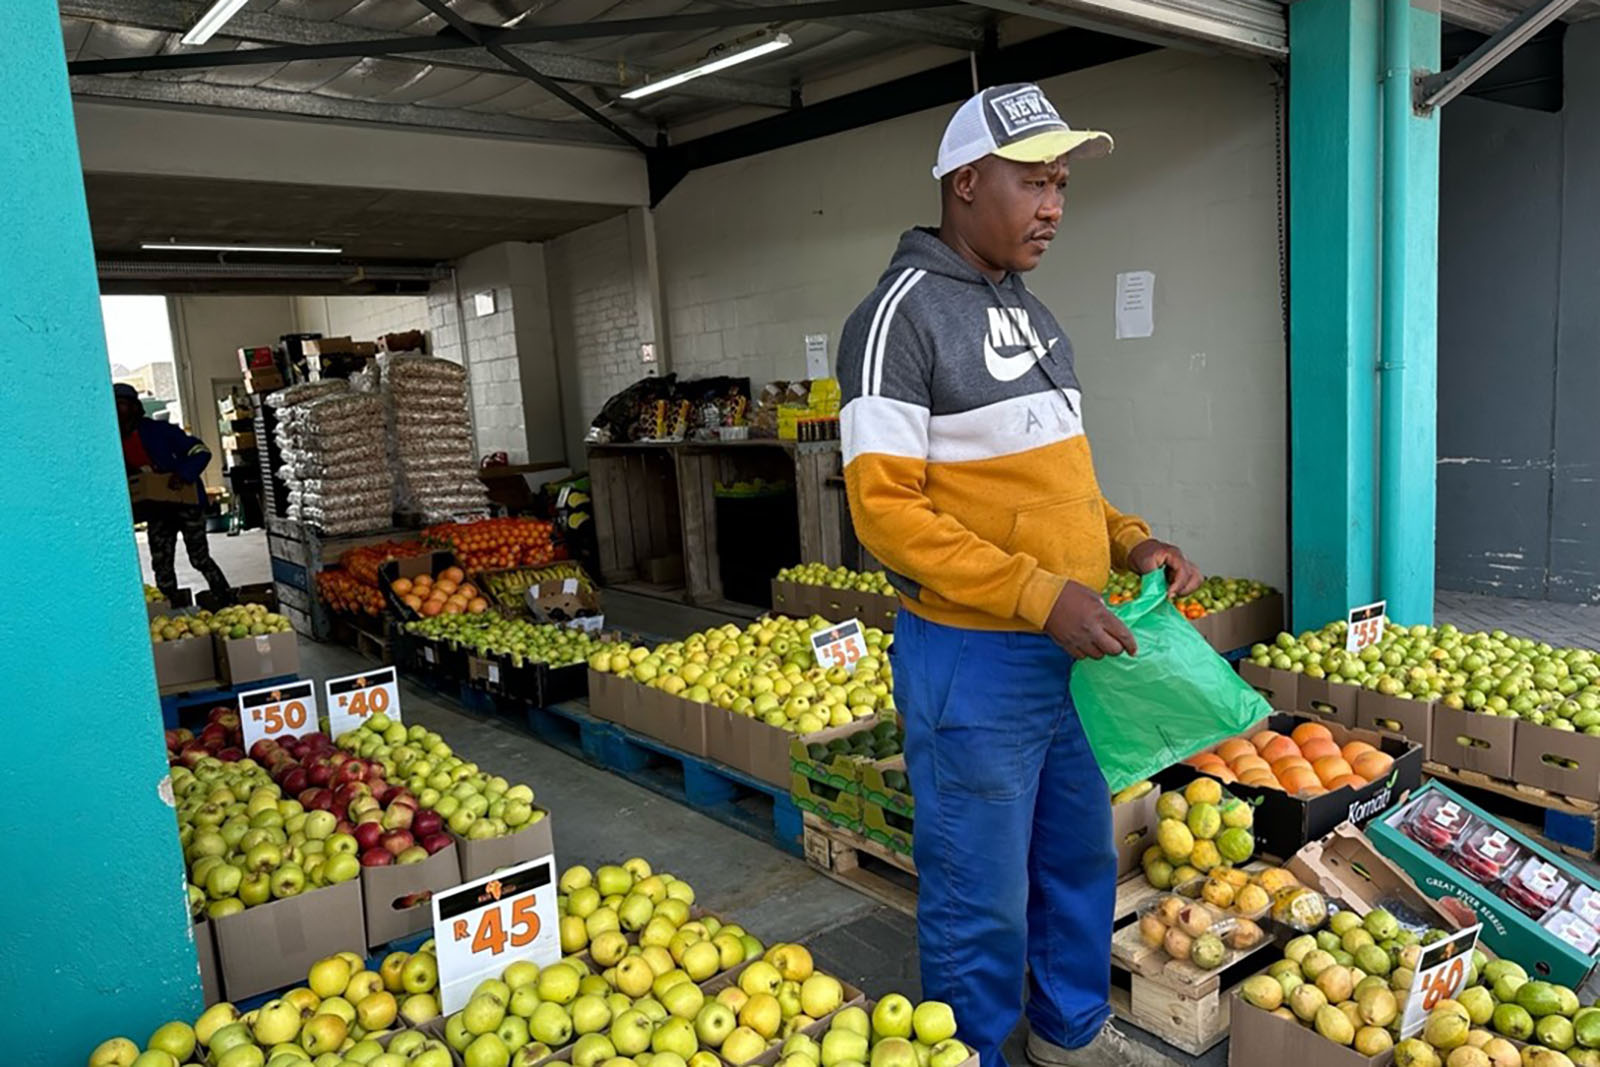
point(1254, 27)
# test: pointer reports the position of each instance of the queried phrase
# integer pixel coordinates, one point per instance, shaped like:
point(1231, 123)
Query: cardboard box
point(799, 600)
point(238, 442)
point(257, 358)
point(1281, 688)
point(1133, 826)
point(487, 855)
point(837, 771)
point(1395, 716)
point(205, 950)
point(1285, 823)
point(484, 672)
point(727, 737)
point(1258, 622)
point(1257, 1038)
point(250, 659)
point(155, 487)
point(1561, 761)
point(881, 793)
point(1327, 701)
point(274, 945)
point(853, 997)
point(564, 602)
point(841, 807)
point(263, 380)
point(607, 696)
point(669, 719)
point(184, 599)
point(395, 899)
point(1506, 930)
point(190, 661)
point(1472, 741)
point(1344, 866)
point(887, 828)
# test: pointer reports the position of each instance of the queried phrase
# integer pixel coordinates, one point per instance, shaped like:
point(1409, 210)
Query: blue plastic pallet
point(174, 705)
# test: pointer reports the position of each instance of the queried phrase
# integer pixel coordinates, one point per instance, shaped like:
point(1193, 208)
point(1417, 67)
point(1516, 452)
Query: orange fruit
point(1318, 748)
point(468, 590)
point(1354, 781)
point(1279, 748)
point(453, 574)
point(477, 605)
point(1245, 764)
point(1223, 774)
point(1372, 765)
point(1281, 767)
point(1330, 768)
point(1306, 731)
point(1261, 780)
point(1315, 791)
point(1353, 750)
point(422, 579)
point(1203, 760)
point(1233, 748)
point(401, 586)
point(1261, 738)
point(445, 585)
point(412, 601)
point(1299, 779)
point(432, 607)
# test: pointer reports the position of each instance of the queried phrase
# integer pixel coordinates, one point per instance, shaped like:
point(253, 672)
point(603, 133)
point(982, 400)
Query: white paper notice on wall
point(817, 356)
point(1136, 302)
point(483, 303)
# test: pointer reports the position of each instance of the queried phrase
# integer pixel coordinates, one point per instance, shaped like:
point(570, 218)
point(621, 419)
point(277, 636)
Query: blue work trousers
point(1015, 860)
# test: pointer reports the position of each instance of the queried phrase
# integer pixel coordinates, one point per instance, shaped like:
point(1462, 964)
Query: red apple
point(306, 797)
point(377, 857)
point(262, 748)
point(403, 796)
point(295, 779)
point(368, 835)
point(319, 774)
point(345, 826)
point(176, 739)
point(380, 789)
point(214, 735)
point(217, 712)
point(231, 754)
point(397, 841)
point(435, 842)
point(316, 739)
point(426, 823)
point(323, 801)
point(192, 753)
point(350, 771)
point(347, 794)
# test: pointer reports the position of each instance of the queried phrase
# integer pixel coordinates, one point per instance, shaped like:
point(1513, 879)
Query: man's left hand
point(1183, 577)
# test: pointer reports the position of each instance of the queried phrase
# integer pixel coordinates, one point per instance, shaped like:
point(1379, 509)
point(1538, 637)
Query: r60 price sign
point(357, 697)
point(839, 646)
point(487, 924)
point(288, 710)
point(1441, 973)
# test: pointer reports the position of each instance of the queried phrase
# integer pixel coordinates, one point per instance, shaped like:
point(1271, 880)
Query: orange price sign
point(1441, 973)
point(839, 646)
point(288, 710)
point(355, 697)
point(485, 925)
point(1366, 626)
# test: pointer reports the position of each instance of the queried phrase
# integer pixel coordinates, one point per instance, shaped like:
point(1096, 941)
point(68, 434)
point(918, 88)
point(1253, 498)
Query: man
point(970, 478)
point(166, 449)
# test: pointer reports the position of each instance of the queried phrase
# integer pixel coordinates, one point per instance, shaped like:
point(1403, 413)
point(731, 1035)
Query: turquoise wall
point(94, 925)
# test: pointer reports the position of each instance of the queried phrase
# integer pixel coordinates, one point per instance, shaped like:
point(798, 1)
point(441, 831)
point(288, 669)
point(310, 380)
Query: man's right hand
point(1081, 623)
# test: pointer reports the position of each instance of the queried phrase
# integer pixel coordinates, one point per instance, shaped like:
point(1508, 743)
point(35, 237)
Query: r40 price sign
point(356, 697)
point(288, 710)
point(482, 927)
point(1366, 626)
point(839, 646)
point(1441, 973)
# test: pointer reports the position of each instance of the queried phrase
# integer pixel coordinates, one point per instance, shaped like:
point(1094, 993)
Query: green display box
point(887, 828)
point(878, 791)
point(841, 807)
point(1507, 931)
point(837, 772)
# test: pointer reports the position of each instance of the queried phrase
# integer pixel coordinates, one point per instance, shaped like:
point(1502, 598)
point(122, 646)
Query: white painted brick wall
point(593, 302)
point(1188, 426)
point(494, 383)
point(363, 318)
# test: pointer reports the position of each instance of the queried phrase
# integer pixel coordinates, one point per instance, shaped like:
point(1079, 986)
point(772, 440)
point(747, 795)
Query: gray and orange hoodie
point(965, 460)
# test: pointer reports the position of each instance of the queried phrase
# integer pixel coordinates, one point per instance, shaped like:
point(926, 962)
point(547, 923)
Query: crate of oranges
point(424, 586)
point(1304, 777)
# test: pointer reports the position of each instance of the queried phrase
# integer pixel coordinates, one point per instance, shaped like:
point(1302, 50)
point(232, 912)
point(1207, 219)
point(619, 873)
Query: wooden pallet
point(847, 857)
point(1565, 824)
point(1176, 1001)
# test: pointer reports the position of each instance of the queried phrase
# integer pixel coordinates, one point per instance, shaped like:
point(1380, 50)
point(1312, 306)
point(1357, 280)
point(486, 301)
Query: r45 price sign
point(839, 646)
point(1366, 626)
point(488, 924)
point(288, 710)
point(356, 697)
point(1441, 973)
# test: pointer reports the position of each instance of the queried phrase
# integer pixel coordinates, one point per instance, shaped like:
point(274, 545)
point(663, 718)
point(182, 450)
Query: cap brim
point(1044, 147)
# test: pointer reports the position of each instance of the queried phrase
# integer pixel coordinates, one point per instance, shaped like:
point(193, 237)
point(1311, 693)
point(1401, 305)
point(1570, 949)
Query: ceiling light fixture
point(213, 20)
point(732, 57)
point(218, 246)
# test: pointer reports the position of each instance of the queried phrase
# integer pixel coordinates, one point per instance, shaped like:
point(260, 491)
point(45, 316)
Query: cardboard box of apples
point(836, 594)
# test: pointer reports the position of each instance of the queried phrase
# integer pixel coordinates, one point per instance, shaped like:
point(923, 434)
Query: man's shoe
point(1110, 1048)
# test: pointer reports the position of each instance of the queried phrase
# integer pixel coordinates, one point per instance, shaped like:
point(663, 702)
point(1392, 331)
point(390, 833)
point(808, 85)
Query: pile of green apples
point(519, 640)
point(624, 898)
point(895, 1034)
point(766, 671)
point(177, 628)
point(1493, 673)
point(246, 844)
point(245, 620)
point(337, 1018)
point(838, 578)
point(473, 803)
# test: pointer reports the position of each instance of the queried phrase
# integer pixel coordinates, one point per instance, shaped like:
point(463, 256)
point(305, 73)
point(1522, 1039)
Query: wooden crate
point(850, 859)
point(635, 490)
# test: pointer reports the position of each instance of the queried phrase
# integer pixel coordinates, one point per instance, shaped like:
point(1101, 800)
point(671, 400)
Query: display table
point(655, 508)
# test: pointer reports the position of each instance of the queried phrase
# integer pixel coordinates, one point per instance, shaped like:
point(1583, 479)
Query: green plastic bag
point(1176, 697)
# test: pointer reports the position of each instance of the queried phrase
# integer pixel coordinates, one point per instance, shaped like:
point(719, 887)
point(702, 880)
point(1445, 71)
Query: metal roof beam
point(1439, 89)
point(311, 105)
point(175, 16)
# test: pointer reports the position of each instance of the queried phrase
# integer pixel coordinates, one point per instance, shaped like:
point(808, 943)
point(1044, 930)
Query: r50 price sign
point(1366, 626)
point(356, 697)
point(839, 646)
point(278, 711)
point(485, 925)
point(1441, 973)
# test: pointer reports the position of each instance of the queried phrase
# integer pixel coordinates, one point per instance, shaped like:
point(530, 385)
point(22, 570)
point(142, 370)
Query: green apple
point(743, 1045)
point(802, 1045)
point(513, 1030)
point(590, 1015)
point(340, 1007)
point(761, 977)
point(949, 1053)
point(117, 1052)
point(714, 1023)
point(276, 1021)
point(230, 1035)
point(519, 974)
point(456, 1033)
point(684, 1000)
point(675, 1036)
point(894, 1052)
point(704, 1058)
point(407, 1043)
point(323, 1033)
point(843, 1046)
point(210, 1021)
point(630, 1033)
point(652, 1008)
point(608, 948)
point(178, 1038)
point(855, 1020)
point(637, 910)
point(634, 976)
point(575, 878)
point(368, 1052)
point(238, 1056)
point(419, 1008)
point(377, 1010)
point(892, 1017)
point(592, 1049)
point(795, 1059)
point(487, 1050)
point(558, 984)
point(524, 1001)
point(156, 1057)
point(821, 995)
point(933, 1021)
point(328, 977)
point(613, 881)
point(550, 1025)
point(789, 999)
point(526, 1056)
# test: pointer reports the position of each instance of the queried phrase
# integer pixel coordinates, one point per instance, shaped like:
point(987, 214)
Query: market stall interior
point(543, 709)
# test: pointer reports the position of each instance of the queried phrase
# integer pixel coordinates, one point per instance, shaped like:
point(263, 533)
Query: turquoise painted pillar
point(1408, 367)
point(95, 925)
point(1333, 271)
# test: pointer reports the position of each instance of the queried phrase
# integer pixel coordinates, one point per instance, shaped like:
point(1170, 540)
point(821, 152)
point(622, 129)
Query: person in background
point(166, 449)
point(970, 478)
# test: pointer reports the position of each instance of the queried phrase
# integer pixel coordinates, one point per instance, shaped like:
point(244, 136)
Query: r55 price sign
point(1366, 626)
point(839, 646)
point(487, 924)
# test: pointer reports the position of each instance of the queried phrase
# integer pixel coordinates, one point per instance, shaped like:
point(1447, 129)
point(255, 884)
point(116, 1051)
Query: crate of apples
point(448, 594)
point(1308, 762)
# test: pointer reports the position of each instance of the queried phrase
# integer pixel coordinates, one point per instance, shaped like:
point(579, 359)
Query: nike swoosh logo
point(1010, 368)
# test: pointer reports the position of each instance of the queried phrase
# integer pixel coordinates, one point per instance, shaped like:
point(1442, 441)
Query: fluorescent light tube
point(209, 246)
point(213, 20)
point(731, 58)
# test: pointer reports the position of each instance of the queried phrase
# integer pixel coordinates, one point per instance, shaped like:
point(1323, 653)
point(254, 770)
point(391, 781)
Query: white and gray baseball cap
point(1015, 122)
